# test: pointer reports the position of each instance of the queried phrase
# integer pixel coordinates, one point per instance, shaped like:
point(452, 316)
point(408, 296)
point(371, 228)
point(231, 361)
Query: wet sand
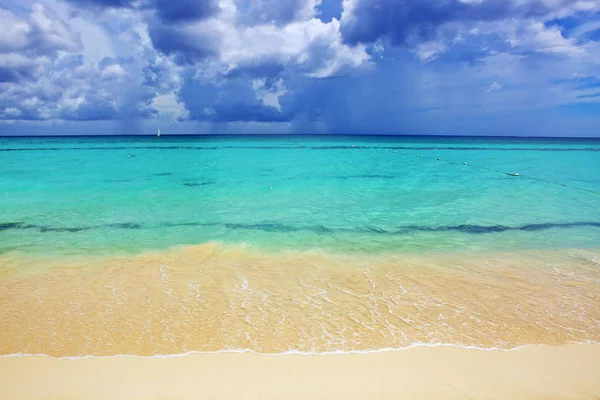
point(536, 372)
point(212, 298)
point(209, 298)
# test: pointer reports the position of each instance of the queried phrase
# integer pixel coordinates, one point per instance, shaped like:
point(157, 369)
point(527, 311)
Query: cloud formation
point(28, 42)
point(433, 27)
point(380, 65)
point(408, 21)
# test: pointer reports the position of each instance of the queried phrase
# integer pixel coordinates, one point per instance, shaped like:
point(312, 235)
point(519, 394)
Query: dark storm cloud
point(240, 112)
point(235, 101)
point(168, 11)
point(400, 21)
point(91, 110)
point(172, 11)
point(17, 73)
point(104, 3)
point(186, 47)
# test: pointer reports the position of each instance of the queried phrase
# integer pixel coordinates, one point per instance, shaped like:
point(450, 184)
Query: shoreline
point(299, 352)
point(531, 372)
point(209, 298)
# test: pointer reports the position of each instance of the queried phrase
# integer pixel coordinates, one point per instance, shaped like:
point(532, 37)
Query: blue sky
point(462, 67)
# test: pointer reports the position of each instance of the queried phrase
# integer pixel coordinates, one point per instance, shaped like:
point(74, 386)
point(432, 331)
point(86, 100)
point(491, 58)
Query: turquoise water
point(340, 194)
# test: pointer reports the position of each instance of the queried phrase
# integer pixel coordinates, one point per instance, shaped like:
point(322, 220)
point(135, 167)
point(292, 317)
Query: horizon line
point(302, 135)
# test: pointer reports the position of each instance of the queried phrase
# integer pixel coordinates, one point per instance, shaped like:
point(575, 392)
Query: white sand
point(564, 372)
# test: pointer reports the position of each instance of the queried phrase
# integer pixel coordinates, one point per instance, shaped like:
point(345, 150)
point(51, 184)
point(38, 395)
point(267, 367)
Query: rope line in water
point(516, 175)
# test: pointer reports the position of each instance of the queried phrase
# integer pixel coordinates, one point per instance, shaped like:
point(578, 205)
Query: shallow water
point(310, 244)
point(70, 195)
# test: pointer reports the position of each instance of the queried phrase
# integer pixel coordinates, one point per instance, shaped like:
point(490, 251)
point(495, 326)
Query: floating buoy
point(465, 163)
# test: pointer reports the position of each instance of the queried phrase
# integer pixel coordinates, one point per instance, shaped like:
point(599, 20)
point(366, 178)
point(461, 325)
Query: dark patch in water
point(46, 228)
point(267, 227)
point(482, 229)
point(341, 177)
point(320, 229)
point(367, 177)
point(195, 184)
point(402, 230)
point(10, 225)
point(125, 225)
point(164, 174)
point(172, 225)
point(52, 229)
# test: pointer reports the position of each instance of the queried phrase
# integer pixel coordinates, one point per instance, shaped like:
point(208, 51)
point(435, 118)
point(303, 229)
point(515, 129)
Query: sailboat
point(158, 133)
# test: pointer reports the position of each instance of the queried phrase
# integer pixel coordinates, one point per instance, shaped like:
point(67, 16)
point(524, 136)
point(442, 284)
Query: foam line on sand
point(533, 372)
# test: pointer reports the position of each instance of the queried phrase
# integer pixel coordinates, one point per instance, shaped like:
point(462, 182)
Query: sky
point(409, 67)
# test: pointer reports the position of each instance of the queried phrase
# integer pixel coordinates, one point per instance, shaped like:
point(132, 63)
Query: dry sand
point(535, 372)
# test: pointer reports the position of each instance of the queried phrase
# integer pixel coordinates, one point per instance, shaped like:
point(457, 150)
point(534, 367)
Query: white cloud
point(46, 77)
point(494, 87)
point(378, 49)
point(169, 107)
point(429, 51)
point(96, 44)
point(71, 103)
point(54, 32)
point(18, 60)
point(269, 95)
point(12, 112)
point(41, 33)
point(539, 38)
point(14, 32)
point(308, 10)
point(113, 71)
point(485, 26)
point(307, 46)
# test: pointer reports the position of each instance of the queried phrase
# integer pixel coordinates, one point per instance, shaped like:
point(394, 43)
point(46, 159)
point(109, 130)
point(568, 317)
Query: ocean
point(276, 244)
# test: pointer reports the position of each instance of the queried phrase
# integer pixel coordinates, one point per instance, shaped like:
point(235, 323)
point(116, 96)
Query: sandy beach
point(534, 372)
point(209, 298)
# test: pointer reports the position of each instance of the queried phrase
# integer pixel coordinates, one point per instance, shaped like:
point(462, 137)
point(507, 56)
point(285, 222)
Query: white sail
point(158, 133)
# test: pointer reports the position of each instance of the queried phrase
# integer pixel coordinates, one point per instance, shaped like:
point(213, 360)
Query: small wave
point(299, 352)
